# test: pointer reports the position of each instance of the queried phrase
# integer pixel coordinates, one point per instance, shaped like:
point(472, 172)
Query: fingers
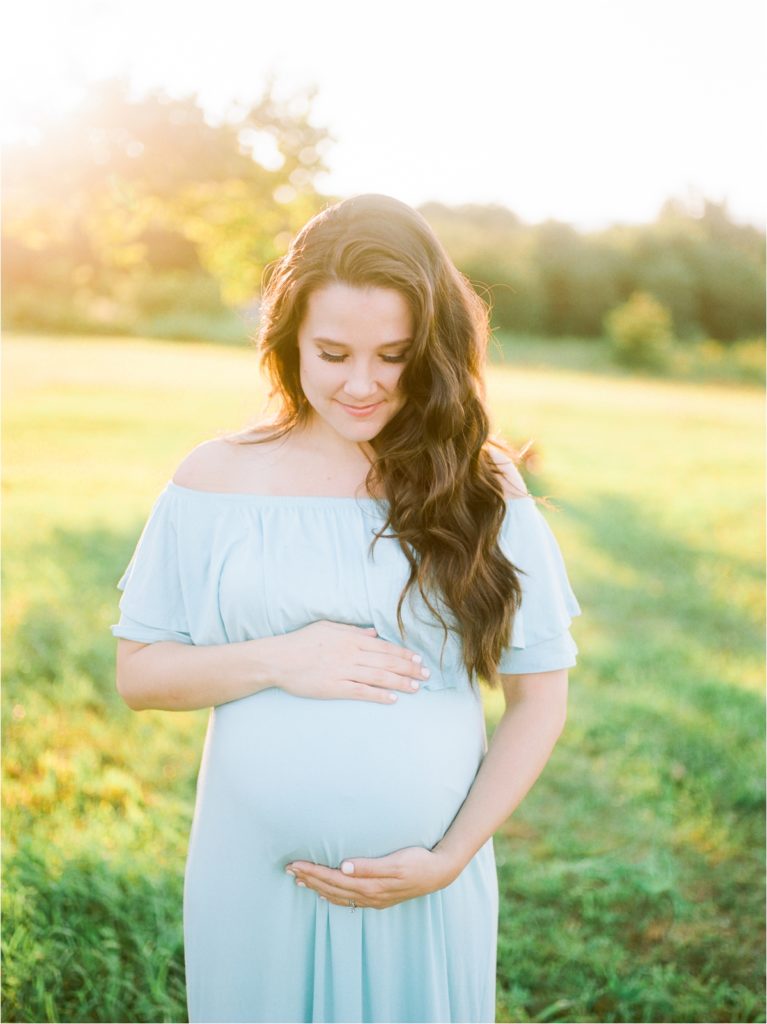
point(394, 658)
point(363, 895)
point(393, 680)
point(328, 881)
point(375, 883)
point(341, 896)
point(395, 650)
point(382, 646)
point(384, 665)
point(375, 867)
point(364, 691)
point(402, 666)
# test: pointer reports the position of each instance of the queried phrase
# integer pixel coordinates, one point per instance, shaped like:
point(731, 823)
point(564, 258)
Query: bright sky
point(591, 111)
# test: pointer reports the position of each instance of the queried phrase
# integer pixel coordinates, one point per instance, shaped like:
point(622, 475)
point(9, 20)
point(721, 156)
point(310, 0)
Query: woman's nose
point(360, 384)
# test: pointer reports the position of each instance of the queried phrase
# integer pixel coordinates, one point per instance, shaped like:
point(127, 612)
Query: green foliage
point(153, 294)
point(712, 360)
point(129, 188)
point(90, 940)
point(739, 362)
point(631, 877)
point(63, 311)
point(551, 280)
point(183, 305)
point(125, 187)
point(227, 328)
point(640, 331)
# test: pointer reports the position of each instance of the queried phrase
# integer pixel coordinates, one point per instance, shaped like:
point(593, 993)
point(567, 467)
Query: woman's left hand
point(378, 882)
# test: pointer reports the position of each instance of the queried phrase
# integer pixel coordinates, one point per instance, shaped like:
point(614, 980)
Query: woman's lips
point(360, 411)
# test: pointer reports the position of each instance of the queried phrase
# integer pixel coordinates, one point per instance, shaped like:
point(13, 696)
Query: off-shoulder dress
point(287, 778)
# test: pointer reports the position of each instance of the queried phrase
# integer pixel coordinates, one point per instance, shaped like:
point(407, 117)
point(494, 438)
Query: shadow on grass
point(62, 632)
point(632, 880)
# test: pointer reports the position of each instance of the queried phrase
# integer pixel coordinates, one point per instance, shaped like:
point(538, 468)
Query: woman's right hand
point(335, 661)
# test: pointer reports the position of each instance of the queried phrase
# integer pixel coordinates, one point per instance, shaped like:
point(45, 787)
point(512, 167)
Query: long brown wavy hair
point(433, 463)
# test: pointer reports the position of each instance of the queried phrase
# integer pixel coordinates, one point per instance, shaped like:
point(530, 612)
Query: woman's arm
point(324, 660)
point(536, 710)
point(184, 677)
point(536, 706)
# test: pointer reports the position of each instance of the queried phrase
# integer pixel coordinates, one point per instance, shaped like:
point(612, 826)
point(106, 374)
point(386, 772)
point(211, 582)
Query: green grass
point(631, 876)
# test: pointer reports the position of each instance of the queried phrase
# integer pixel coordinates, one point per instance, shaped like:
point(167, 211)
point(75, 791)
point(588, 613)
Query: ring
point(353, 905)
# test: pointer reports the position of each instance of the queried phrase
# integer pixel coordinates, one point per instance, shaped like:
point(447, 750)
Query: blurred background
point(575, 159)
point(597, 171)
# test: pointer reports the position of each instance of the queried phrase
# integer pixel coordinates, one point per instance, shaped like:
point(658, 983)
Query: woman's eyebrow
point(341, 344)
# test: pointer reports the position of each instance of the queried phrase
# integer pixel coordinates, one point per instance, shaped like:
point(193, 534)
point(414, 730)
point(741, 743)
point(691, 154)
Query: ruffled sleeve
point(541, 640)
point(152, 604)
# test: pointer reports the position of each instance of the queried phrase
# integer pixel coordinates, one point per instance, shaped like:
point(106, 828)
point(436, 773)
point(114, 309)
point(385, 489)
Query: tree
point(125, 186)
point(640, 331)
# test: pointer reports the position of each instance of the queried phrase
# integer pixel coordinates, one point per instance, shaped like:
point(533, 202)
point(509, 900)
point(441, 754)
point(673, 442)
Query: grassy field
point(632, 876)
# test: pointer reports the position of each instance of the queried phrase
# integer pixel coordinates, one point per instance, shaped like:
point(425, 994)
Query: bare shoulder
point(227, 464)
point(207, 467)
point(515, 486)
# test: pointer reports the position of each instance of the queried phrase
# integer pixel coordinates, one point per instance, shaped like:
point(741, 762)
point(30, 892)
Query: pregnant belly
point(322, 780)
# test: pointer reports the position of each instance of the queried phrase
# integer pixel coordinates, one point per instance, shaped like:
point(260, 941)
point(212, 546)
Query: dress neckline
point(280, 498)
point(301, 499)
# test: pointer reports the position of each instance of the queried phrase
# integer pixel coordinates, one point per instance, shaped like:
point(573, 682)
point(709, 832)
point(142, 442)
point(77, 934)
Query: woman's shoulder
point(514, 484)
point(204, 468)
point(221, 463)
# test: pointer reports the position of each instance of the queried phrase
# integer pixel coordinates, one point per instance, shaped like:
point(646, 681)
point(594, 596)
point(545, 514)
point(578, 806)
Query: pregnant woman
point(334, 583)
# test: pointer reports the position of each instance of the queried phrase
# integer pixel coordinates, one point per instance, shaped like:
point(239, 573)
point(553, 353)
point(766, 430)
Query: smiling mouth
point(360, 408)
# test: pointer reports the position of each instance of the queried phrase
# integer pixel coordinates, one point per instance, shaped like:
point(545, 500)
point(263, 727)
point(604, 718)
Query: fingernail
point(392, 696)
point(347, 867)
point(417, 659)
point(414, 684)
point(302, 884)
point(320, 896)
point(425, 672)
point(289, 872)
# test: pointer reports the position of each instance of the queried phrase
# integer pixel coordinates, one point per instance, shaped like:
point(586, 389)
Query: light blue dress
point(287, 778)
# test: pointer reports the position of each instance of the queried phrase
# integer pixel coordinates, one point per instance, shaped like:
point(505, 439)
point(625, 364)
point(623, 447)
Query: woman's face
point(352, 344)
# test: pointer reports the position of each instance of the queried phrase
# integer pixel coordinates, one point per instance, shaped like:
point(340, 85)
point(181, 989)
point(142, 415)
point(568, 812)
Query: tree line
point(140, 215)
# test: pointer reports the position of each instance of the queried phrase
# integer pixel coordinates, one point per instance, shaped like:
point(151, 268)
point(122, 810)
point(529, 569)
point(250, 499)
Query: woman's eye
point(339, 359)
